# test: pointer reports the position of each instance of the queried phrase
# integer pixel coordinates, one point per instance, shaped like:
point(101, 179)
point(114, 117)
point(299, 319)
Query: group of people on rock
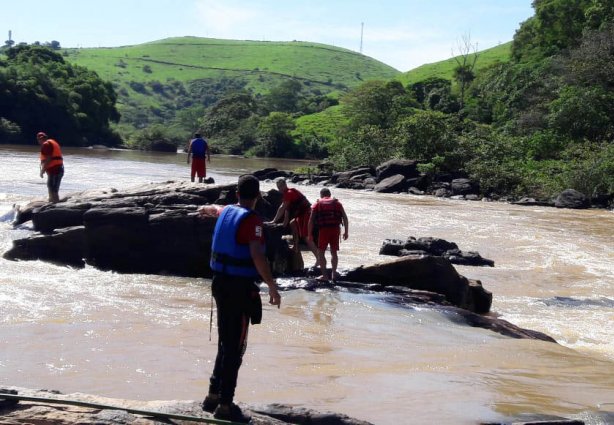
point(238, 259)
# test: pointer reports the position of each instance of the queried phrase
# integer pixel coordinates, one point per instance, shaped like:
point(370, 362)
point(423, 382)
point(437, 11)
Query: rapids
point(147, 337)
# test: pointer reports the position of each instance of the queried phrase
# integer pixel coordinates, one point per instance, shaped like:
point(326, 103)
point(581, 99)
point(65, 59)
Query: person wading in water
point(328, 214)
point(52, 163)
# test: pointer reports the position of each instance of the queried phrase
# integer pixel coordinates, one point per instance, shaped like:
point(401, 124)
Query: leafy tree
point(369, 145)
point(284, 97)
point(41, 91)
point(425, 134)
point(274, 135)
point(377, 103)
point(556, 25)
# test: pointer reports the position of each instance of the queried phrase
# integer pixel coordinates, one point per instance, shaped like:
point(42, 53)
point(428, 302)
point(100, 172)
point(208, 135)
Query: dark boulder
point(347, 175)
point(392, 184)
point(464, 186)
point(404, 167)
point(433, 246)
point(427, 273)
point(570, 198)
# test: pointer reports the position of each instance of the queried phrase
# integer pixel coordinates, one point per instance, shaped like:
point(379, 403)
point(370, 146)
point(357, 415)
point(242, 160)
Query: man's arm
point(189, 151)
point(207, 149)
point(310, 224)
point(346, 223)
point(281, 212)
point(262, 265)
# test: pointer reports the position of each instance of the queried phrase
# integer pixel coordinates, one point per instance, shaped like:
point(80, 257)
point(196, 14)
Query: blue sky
point(401, 33)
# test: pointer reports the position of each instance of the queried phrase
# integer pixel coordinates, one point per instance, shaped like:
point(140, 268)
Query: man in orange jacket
point(52, 163)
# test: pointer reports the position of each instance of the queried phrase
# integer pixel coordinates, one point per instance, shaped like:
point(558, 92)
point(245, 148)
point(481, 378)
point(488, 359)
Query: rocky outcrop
point(429, 274)
point(570, 198)
point(45, 407)
point(155, 228)
point(402, 176)
point(436, 247)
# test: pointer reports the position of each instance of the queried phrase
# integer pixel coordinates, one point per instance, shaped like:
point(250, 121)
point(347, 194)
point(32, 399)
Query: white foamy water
point(147, 337)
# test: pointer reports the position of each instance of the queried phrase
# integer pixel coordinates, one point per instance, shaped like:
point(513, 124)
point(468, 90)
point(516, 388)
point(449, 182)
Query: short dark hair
point(196, 135)
point(248, 187)
point(325, 192)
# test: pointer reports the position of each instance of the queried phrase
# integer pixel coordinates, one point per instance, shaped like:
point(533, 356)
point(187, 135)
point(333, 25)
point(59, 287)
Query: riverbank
point(402, 176)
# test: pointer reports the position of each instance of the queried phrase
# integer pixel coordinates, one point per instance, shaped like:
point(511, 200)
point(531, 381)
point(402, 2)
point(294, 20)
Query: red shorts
point(198, 167)
point(329, 236)
point(302, 223)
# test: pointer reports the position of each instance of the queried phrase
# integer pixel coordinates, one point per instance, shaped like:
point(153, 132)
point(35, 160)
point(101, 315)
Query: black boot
point(211, 402)
point(231, 412)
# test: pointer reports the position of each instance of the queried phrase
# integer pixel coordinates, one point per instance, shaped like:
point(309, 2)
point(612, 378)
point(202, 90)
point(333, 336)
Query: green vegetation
point(156, 81)
point(529, 117)
point(533, 117)
point(445, 69)
point(40, 91)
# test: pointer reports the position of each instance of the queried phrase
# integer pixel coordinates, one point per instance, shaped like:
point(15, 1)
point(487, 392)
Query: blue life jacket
point(228, 256)
point(199, 147)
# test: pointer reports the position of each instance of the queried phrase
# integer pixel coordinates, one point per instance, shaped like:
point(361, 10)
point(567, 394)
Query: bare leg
point(322, 263)
point(312, 246)
point(334, 261)
point(294, 230)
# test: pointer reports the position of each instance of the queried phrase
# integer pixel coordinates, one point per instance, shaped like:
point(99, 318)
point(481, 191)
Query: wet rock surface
point(435, 247)
point(54, 413)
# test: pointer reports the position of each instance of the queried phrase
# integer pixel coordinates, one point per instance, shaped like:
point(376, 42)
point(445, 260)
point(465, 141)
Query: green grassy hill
point(191, 58)
point(445, 68)
point(156, 80)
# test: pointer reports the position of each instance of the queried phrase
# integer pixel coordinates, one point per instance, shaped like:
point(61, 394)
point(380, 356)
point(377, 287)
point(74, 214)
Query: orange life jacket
point(328, 212)
point(56, 155)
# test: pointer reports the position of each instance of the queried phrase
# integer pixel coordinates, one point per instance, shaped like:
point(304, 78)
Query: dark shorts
point(54, 180)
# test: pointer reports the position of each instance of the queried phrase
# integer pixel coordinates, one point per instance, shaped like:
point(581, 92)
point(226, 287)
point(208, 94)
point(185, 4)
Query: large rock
point(427, 273)
point(433, 246)
point(79, 408)
point(570, 198)
point(152, 228)
point(395, 183)
point(405, 167)
point(464, 186)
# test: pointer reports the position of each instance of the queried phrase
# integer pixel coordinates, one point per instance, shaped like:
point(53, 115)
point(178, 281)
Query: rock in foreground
point(54, 413)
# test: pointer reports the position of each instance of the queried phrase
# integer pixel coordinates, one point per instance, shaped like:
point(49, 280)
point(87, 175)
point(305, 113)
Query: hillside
point(445, 68)
point(156, 80)
point(191, 58)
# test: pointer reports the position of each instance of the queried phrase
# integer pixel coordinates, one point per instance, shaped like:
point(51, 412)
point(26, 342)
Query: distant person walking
point(327, 214)
point(198, 150)
point(237, 260)
point(52, 163)
point(295, 211)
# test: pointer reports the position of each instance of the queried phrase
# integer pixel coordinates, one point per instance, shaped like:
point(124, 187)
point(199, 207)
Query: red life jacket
point(299, 206)
point(56, 155)
point(328, 212)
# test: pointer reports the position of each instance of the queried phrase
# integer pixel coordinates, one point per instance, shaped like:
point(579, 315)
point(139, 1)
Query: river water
point(147, 337)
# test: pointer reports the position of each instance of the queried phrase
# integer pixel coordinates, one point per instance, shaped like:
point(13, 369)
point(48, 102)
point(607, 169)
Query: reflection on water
point(146, 337)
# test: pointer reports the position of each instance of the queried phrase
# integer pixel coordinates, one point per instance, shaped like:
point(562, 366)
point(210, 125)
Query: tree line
point(40, 91)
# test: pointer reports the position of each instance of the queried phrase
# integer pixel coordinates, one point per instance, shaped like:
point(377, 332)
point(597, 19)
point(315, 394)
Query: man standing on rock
point(199, 150)
point(52, 163)
point(295, 211)
point(237, 260)
point(328, 214)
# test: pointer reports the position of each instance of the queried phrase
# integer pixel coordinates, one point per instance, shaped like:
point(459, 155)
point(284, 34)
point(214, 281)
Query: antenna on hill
point(362, 27)
point(10, 34)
